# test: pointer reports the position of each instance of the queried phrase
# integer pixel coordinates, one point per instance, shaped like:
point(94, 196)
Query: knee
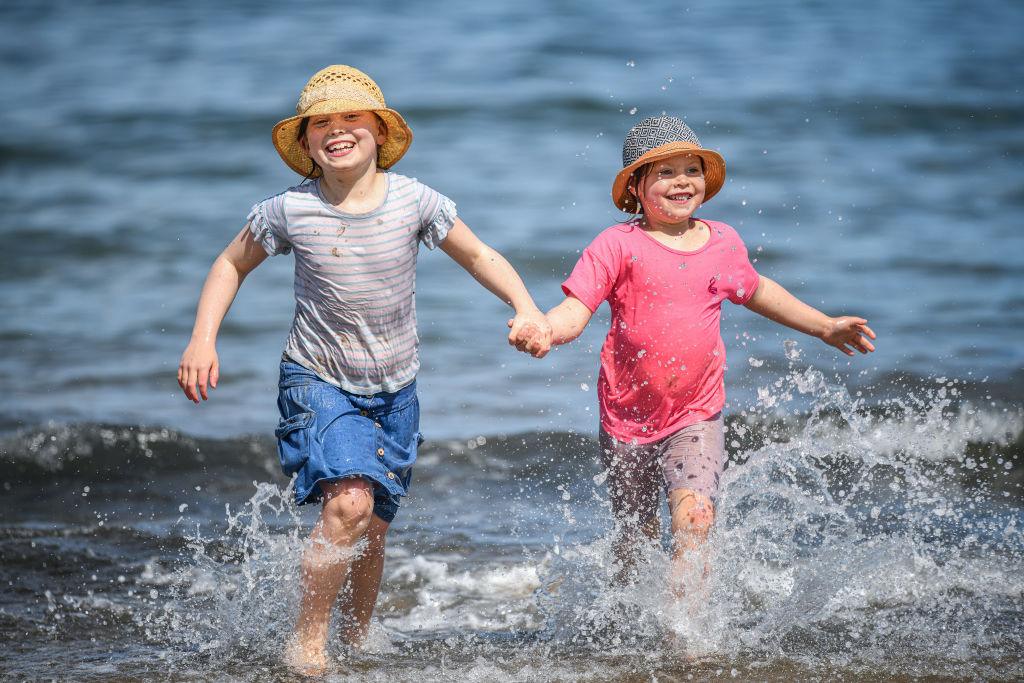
point(348, 507)
point(694, 515)
point(699, 521)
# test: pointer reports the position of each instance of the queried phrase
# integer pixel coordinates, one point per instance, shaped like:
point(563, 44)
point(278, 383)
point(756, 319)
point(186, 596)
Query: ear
point(382, 130)
point(305, 146)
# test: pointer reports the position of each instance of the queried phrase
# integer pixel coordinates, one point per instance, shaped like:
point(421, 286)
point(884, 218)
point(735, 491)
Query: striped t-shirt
point(355, 279)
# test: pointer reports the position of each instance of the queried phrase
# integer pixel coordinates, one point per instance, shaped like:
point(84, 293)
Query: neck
point(356, 185)
point(674, 229)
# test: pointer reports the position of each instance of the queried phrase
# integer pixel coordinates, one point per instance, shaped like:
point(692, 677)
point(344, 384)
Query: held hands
point(846, 332)
point(199, 367)
point(530, 333)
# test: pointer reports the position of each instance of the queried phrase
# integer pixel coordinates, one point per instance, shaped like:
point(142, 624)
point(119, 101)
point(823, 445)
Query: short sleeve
point(437, 215)
point(268, 226)
point(594, 275)
point(743, 279)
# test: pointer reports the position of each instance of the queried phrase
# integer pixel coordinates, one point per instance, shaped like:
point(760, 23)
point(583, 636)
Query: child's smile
point(343, 142)
point(341, 148)
point(672, 190)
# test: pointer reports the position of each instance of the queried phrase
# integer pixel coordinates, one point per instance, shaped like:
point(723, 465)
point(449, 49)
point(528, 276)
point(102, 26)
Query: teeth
point(340, 146)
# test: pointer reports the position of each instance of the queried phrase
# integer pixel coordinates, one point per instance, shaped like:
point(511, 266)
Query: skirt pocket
point(294, 437)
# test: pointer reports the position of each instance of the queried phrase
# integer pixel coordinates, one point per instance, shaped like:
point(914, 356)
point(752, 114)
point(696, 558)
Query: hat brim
point(714, 172)
point(286, 135)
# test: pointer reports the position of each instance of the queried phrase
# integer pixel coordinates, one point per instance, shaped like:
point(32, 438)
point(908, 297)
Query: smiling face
point(671, 190)
point(342, 143)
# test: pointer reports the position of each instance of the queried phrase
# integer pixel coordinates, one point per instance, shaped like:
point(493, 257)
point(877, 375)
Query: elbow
point(230, 266)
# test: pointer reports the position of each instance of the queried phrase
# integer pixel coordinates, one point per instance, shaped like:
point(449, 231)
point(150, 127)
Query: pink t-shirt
point(663, 362)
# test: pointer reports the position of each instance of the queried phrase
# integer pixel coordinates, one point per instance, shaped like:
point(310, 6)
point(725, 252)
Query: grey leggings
point(692, 458)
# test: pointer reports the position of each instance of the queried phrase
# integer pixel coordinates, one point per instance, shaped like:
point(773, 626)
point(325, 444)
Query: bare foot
point(304, 658)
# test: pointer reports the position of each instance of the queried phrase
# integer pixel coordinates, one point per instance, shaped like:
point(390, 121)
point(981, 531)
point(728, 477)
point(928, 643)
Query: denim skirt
point(327, 434)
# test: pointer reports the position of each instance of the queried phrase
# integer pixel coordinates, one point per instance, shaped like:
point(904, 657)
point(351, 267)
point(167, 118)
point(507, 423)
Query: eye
point(352, 117)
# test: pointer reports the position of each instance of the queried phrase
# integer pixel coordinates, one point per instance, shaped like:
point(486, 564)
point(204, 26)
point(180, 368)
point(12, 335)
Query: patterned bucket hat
point(656, 138)
point(335, 90)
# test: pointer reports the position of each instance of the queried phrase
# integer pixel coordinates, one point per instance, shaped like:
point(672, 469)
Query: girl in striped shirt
point(349, 425)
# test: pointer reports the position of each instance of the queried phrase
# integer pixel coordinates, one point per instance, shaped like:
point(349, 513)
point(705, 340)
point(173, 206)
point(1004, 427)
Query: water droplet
point(632, 111)
point(584, 386)
point(630, 63)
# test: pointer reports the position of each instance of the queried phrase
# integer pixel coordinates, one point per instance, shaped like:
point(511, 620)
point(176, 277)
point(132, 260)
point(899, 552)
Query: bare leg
point(692, 517)
point(358, 601)
point(344, 519)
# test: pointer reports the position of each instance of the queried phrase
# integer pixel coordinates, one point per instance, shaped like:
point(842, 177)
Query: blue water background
point(875, 168)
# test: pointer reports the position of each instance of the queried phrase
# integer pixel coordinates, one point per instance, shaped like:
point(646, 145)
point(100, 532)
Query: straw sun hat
point(657, 138)
point(335, 90)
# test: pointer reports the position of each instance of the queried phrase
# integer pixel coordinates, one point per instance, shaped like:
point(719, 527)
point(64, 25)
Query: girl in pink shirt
point(665, 274)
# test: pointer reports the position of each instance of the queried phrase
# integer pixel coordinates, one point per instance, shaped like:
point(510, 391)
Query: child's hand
point(847, 332)
point(530, 333)
point(199, 366)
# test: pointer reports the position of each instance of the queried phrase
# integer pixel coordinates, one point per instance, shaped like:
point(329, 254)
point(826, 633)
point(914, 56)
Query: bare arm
point(499, 277)
point(846, 333)
point(568, 320)
point(199, 364)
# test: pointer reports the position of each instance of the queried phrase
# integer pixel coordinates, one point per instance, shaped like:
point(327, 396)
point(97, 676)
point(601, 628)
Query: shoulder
point(617, 234)
point(611, 243)
point(404, 188)
point(301, 192)
point(401, 184)
point(721, 229)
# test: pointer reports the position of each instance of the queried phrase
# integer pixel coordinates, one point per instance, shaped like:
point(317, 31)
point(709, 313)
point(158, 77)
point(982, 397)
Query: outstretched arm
point(496, 274)
point(199, 365)
point(568, 320)
point(846, 333)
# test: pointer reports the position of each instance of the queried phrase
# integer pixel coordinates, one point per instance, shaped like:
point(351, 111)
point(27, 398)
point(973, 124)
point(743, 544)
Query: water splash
point(855, 536)
point(234, 596)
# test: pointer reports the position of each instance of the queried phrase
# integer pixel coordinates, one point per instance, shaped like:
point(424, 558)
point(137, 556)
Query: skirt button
point(380, 452)
point(391, 475)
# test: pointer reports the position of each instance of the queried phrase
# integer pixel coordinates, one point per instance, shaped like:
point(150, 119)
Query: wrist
point(826, 327)
point(208, 339)
point(529, 308)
